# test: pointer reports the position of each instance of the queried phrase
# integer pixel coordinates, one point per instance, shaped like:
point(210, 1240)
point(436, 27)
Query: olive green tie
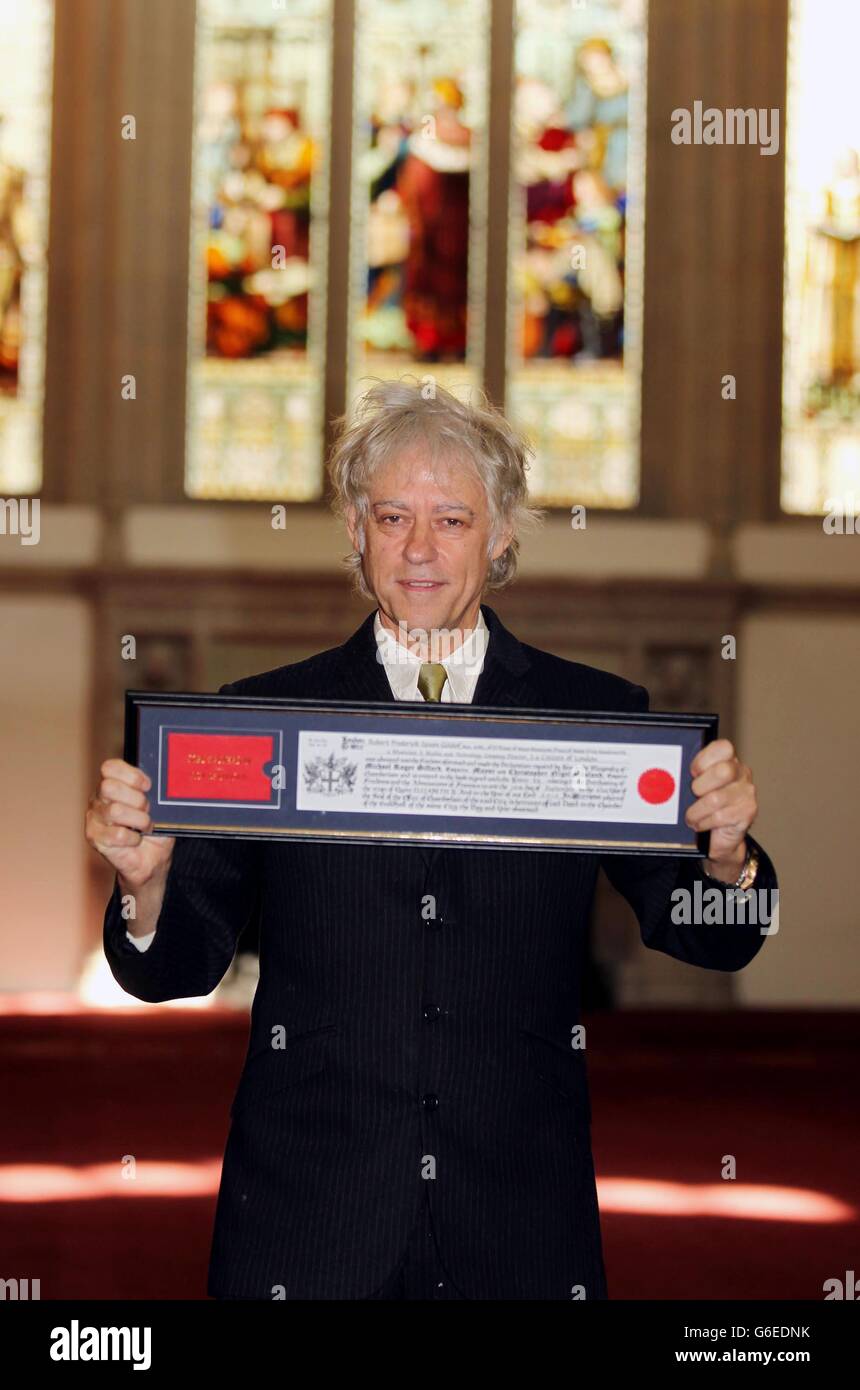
point(431, 679)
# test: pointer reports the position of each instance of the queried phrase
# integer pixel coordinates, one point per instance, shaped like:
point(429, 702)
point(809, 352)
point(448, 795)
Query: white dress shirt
point(463, 666)
point(402, 668)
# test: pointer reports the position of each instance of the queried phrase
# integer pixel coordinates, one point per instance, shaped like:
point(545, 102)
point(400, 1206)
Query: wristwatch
point(745, 878)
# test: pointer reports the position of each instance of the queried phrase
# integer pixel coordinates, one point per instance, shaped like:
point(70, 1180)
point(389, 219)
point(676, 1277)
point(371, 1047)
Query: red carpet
point(672, 1093)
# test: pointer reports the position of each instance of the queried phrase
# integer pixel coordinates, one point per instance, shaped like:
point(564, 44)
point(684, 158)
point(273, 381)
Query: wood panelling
point(713, 285)
point(190, 624)
point(499, 134)
point(340, 167)
point(119, 251)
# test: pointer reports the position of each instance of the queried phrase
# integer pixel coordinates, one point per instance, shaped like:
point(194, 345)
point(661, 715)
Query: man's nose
point(420, 546)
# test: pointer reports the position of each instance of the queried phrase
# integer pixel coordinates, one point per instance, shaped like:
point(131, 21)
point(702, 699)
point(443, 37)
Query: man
point(424, 1131)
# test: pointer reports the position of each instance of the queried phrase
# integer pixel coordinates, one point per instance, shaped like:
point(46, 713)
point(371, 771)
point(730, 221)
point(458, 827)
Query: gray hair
point(393, 416)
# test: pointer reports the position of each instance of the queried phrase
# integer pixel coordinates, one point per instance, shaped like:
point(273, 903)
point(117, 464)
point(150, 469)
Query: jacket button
point(431, 1013)
point(430, 1102)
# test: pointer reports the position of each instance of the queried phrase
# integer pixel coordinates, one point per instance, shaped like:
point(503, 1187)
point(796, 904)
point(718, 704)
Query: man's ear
point(351, 519)
point(502, 542)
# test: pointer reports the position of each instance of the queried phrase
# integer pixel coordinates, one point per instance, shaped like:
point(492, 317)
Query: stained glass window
point(258, 256)
point(26, 38)
point(419, 190)
point(821, 359)
point(576, 245)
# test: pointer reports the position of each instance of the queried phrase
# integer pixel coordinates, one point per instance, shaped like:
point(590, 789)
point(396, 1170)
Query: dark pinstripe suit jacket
point(422, 1057)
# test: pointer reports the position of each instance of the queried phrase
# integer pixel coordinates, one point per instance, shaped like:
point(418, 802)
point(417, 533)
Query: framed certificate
point(407, 772)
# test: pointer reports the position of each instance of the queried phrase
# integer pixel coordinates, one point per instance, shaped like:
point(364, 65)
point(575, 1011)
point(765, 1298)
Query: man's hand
point(725, 804)
point(117, 823)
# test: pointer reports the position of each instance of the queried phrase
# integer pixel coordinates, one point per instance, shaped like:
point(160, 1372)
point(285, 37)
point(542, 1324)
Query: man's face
point(426, 539)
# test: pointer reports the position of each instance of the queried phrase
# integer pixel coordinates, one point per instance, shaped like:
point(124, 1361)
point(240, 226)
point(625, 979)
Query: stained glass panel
point(26, 40)
point(576, 249)
point(259, 233)
point(419, 190)
point(821, 358)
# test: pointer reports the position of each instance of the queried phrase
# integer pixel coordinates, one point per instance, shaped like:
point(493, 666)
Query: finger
point(720, 750)
point(112, 789)
point(734, 802)
point(125, 772)
point(118, 837)
point(726, 820)
point(117, 813)
point(96, 814)
point(719, 797)
point(717, 775)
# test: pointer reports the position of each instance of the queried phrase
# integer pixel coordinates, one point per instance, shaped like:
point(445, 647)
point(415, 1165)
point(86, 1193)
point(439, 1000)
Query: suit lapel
point(360, 675)
point(504, 678)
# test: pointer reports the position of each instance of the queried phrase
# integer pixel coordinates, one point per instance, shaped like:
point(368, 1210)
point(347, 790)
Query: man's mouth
point(421, 585)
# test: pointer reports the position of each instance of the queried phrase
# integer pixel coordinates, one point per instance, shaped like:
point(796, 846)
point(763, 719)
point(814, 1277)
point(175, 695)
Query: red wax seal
point(218, 767)
point(656, 785)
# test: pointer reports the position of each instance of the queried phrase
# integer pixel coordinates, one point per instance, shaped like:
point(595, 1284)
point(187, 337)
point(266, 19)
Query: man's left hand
point(725, 804)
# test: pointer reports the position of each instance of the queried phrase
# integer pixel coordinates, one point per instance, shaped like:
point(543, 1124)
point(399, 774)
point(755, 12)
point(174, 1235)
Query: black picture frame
point(205, 817)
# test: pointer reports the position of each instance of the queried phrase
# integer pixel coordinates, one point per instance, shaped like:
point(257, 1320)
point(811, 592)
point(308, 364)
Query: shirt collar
point(464, 665)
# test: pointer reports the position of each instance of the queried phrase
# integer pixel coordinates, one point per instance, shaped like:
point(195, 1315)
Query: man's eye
point(453, 521)
point(392, 516)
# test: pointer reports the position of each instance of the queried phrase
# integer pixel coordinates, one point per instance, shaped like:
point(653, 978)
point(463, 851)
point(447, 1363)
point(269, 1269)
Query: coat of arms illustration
point(332, 776)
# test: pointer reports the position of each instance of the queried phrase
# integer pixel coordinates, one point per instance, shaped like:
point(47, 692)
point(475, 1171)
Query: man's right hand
point(117, 826)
